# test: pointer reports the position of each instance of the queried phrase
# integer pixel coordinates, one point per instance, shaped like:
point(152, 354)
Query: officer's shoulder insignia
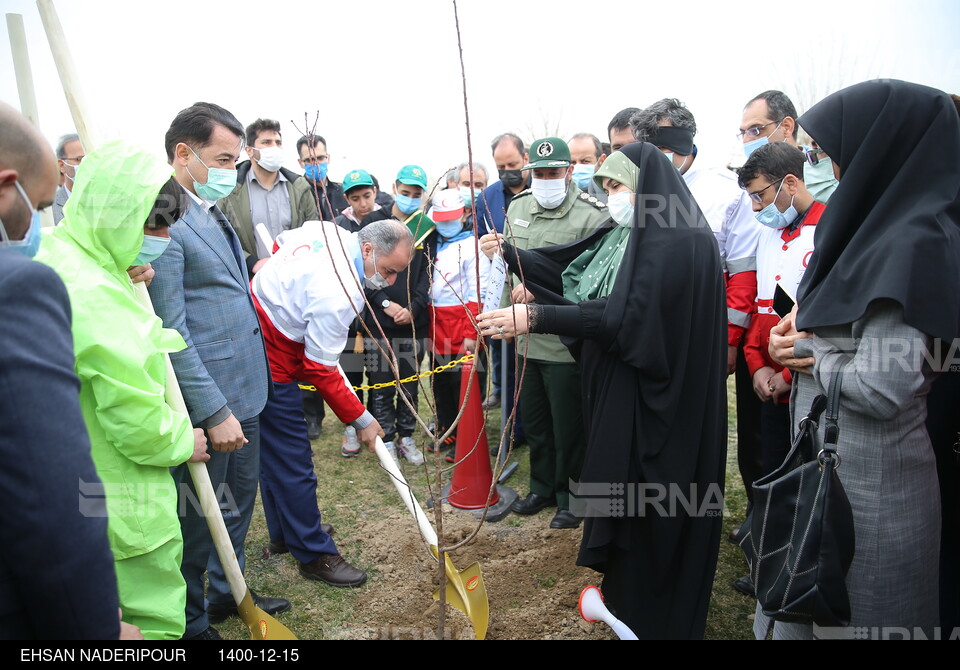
point(586, 197)
point(525, 191)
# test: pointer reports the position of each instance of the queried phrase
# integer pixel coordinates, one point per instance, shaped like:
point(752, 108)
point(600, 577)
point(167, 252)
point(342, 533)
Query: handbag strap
point(831, 429)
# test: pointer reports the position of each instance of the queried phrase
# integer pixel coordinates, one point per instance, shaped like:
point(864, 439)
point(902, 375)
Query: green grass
point(351, 490)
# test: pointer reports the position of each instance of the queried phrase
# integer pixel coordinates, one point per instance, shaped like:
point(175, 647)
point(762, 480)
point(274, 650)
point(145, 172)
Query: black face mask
point(511, 178)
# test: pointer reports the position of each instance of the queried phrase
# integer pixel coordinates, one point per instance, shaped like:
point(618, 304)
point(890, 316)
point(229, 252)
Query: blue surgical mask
point(469, 195)
point(406, 204)
point(753, 145)
point(669, 156)
point(220, 182)
point(772, 217)
point(316, 172)
point(30, 243)
point(621, 208)
point(448, 229)
point(152, 249)
point(582, 174)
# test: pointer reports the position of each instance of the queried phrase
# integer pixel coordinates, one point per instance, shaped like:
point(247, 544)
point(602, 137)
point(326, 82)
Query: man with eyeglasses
point(69, 156)
point(315, 161)
point(773, 179)
point(771, 117)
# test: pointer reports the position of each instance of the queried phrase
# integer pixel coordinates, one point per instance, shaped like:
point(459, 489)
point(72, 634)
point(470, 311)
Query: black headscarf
point(891, 229)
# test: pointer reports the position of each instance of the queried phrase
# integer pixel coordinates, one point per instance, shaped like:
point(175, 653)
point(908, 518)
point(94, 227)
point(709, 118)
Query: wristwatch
point(385, 303)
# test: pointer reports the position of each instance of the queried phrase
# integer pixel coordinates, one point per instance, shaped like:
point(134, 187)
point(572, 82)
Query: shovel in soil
point(465, 589)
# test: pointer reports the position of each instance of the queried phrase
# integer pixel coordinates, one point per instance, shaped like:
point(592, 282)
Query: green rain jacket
point(135, 435)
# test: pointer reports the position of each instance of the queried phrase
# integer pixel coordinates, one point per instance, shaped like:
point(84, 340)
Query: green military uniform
point(550, 399)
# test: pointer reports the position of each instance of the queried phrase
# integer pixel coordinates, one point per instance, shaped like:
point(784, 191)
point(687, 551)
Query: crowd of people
point(639, 281)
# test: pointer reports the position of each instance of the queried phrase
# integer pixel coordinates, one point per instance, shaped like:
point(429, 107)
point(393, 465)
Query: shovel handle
point(201, 480)
point(406, 494)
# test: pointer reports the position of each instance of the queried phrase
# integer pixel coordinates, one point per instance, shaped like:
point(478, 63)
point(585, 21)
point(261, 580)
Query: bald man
point(57, 580)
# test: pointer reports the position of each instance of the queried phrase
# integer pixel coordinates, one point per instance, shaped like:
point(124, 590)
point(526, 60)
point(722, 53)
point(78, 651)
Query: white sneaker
point(408, 449)
point(392, 450)
point(351, 445)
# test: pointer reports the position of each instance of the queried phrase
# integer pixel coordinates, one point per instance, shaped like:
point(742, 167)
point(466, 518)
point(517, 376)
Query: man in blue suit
point(509, 155)
point(202, 290)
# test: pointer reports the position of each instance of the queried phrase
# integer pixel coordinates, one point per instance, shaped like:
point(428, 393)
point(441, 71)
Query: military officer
point(552, 211)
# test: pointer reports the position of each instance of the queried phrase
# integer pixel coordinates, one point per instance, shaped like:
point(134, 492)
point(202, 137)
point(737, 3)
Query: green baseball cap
point(356, 178)
point(413, 175)
point(549, 152)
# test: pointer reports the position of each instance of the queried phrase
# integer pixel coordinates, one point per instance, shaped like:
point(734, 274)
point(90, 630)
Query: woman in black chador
point(641, 305)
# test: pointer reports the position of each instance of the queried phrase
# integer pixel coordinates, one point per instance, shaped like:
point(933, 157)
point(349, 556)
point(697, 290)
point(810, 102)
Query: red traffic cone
point(472, 477)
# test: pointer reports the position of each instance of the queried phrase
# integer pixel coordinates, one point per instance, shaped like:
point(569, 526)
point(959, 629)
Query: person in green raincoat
point(122, 203)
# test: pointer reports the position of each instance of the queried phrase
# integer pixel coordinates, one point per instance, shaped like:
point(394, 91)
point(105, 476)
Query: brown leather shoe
point(333, 570)
point(280, 547)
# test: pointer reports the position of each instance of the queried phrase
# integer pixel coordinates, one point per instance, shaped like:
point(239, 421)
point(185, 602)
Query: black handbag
point(799, 538)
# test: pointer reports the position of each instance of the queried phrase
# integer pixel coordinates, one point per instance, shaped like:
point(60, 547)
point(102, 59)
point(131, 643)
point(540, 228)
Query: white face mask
point(550, 193)
point(271, 158)
point(377, 281)
point(621, 208)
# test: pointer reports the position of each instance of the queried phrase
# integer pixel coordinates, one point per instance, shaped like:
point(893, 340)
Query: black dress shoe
point(533, 504)
point(217, 612)
point(745, 586)
point(280, 547)
point(564, 518)
point(209, 634)
point(332, 569)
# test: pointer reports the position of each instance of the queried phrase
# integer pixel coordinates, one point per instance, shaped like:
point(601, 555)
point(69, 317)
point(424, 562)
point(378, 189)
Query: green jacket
point(135, 437)
point(236, 206)
point(530, 226)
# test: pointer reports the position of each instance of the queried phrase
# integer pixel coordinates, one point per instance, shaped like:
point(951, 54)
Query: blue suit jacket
point(489, 209)
point(201, 289)
point(57, 577)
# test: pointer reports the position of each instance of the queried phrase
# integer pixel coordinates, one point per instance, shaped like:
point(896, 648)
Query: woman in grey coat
point(880, 297)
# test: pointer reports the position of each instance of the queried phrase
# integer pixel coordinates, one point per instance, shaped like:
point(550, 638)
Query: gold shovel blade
point(467, 592)
point(262, 626)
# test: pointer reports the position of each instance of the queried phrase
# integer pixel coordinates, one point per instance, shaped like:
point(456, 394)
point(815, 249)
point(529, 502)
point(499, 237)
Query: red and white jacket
point(782, 258)
point(728, 210)
point(306, 296)
point(453, 286)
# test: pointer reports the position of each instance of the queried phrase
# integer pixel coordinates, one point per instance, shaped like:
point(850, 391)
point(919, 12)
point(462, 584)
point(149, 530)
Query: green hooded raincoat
point(135, 435)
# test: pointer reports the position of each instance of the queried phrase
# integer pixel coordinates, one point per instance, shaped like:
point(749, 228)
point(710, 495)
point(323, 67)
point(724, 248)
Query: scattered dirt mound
point(529, 571)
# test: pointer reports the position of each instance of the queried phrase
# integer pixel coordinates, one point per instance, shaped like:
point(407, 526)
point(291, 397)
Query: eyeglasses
point(754, 131)
point(756, 197)
point(313, 160)
point(813, 155)
point(77, 160)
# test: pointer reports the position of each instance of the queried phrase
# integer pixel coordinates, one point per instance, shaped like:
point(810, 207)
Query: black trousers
point(386, 405)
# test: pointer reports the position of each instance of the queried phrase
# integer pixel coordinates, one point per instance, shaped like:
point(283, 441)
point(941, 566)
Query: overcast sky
point(384, 76)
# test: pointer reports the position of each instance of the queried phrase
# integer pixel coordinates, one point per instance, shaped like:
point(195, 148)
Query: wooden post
point(21, 66)
point(82, 120)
